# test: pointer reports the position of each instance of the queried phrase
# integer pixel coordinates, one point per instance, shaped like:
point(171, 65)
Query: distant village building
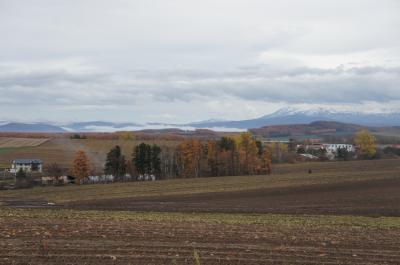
point(330, 148)
point(333, 148)
point(314, 147)
point(27, 165)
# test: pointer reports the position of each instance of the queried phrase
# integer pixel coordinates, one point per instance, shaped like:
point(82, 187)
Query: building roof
point(27, 161)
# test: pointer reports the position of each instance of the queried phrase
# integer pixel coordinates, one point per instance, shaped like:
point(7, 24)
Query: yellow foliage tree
point(81, 168)
point(266, 163)
point(366, 143)
point(247, 152)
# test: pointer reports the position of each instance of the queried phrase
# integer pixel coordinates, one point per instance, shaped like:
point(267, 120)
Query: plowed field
point(73, 237)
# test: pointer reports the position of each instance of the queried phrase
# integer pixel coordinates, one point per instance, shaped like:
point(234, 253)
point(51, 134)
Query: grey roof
point(27, 161)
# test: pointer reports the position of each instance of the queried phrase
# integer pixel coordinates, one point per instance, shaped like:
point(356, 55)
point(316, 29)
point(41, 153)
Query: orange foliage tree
point(81, 167)
point(190, 154)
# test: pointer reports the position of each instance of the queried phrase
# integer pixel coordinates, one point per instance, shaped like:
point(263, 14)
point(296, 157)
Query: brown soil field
point(286, 177)
point(75, 237)
point(367, 198)
point(342, 213)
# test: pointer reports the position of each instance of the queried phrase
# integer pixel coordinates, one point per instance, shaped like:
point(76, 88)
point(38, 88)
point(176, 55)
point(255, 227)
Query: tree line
point(228, 156)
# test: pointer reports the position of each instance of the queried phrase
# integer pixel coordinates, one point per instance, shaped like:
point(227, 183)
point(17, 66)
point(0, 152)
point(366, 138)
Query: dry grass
point(62, 151)
point(6, 142)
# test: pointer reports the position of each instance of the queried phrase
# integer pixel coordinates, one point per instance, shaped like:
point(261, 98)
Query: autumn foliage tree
point(248, 152)
point(266, 163)
point(366, 144)
point(189, 158)
point(81, 167)
point(228, 156)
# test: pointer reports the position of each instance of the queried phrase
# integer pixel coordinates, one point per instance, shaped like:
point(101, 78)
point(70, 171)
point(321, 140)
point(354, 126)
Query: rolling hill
point(30, 127)
point(327, 130)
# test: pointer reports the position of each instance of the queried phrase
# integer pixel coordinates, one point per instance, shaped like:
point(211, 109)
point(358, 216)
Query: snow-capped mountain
point(298, 116)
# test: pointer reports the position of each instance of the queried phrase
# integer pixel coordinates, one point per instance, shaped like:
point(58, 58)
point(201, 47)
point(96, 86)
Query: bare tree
point(55, 171)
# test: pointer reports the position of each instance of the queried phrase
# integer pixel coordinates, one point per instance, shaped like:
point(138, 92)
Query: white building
point(27, 165)
point(333, 148)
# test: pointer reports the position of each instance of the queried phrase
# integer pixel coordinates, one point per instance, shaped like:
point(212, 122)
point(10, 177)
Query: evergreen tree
point(146, 159)
point(155, 159)
point(141, 157)
point(115, 163)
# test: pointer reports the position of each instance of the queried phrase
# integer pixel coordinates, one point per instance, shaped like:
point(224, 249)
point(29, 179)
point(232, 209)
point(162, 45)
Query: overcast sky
point(186, 60)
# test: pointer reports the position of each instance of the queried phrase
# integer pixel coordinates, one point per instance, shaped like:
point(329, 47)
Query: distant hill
point(30, 127)
point(328, 131)
point(318, 128)
point(295, 116)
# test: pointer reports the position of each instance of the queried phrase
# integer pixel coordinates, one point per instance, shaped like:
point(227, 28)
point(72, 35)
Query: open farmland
point(342, 213)
point(284, 176)
point(62, 150)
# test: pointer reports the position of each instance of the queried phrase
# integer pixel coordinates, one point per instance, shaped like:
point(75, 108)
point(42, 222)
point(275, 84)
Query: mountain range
point(295, 116)
point(284, 116)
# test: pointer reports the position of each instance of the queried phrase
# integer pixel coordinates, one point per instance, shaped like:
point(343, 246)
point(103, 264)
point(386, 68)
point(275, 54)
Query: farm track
point(85, 241)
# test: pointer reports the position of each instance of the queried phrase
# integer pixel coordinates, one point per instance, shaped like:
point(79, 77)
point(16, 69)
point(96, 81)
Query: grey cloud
point(295, 85)
point(151, 57)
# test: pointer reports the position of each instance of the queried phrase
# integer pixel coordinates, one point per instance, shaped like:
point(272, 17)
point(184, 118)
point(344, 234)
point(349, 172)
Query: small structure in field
point(62, 180)
point(27, 165)
point(309, 157)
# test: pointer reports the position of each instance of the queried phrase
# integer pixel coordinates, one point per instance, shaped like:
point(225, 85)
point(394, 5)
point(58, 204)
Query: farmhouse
point(27, 165)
